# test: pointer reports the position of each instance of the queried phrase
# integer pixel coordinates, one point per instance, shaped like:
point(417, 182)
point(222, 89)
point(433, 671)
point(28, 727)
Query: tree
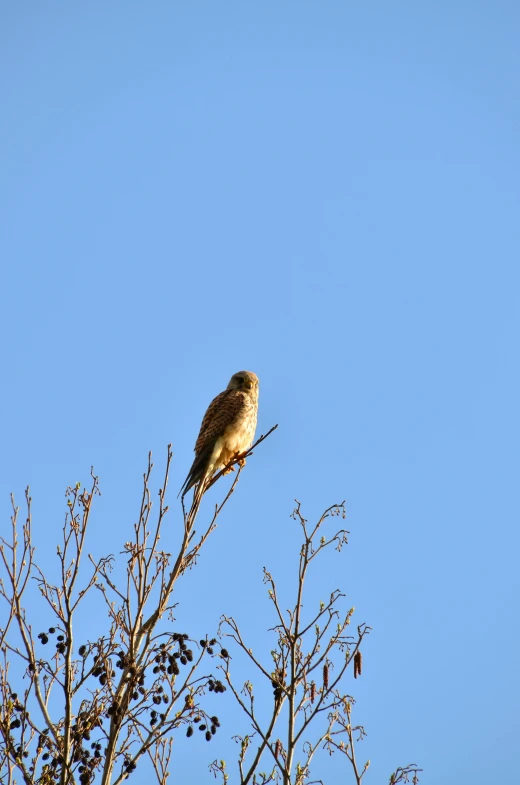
point(91, 713)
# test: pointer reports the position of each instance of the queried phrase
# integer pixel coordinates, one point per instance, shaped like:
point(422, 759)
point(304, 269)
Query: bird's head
point(243, 380)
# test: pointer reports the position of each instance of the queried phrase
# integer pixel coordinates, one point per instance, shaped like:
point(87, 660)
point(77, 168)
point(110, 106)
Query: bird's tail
point(198, 469)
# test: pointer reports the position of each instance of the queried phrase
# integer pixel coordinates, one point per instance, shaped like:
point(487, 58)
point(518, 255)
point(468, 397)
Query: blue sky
point(327, 194)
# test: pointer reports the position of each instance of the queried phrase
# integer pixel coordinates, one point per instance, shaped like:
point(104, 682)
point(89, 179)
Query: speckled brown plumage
point(228, 428)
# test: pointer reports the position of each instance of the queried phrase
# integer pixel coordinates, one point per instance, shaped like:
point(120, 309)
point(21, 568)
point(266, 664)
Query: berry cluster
point(61, 645)
point(129, 766)
point(154, 718)
point(100, 670)
point(88, 759)
point(214, 685)
point(208, 645)
point(167, 661)
point(203, 727)
point(88, 762)
point(19, 709)
point(159, 696)
point(278, 682)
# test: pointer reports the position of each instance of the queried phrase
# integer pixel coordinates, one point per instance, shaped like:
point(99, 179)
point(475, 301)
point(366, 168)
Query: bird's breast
point(239, 434)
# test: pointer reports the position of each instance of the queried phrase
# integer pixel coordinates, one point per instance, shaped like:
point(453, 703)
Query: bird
point(227, 429)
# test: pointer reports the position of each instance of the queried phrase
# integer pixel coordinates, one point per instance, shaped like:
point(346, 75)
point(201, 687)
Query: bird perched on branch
point(227, 429)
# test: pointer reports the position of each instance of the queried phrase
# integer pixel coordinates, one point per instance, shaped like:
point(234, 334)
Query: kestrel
point(227, 429)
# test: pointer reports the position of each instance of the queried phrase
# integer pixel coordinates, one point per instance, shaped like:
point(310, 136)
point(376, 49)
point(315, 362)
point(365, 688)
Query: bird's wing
point(221, 412)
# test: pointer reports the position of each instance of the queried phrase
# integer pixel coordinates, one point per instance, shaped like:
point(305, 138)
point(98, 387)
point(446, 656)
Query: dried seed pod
point(313, 691)
point(278, 748)
point(326, 676)
point(358, 664)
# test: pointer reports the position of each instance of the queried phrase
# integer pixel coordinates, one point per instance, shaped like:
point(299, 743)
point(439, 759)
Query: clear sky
point(326, 193)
